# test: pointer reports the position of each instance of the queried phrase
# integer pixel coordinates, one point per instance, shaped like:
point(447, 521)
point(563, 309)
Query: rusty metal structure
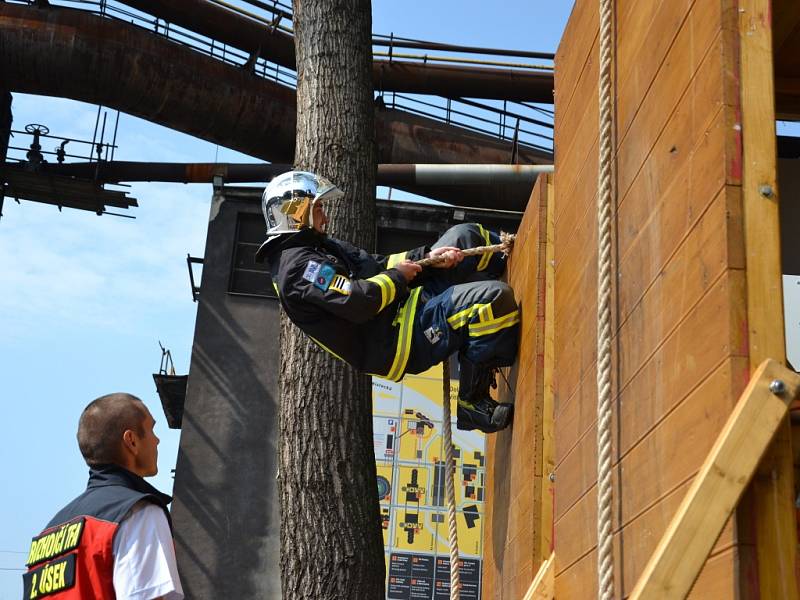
point(226, 75)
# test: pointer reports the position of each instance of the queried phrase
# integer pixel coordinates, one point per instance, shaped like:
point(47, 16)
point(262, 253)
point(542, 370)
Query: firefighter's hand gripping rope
point(505, 246)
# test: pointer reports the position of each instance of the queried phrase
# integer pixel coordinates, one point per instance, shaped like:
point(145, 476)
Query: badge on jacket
point(324, 277)
point(312, 268)
point(434, 334)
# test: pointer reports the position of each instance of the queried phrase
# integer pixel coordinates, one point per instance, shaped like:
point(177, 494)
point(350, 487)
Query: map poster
point(407, 421)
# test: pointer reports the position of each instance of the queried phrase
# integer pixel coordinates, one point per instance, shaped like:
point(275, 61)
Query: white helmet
point(289, 199)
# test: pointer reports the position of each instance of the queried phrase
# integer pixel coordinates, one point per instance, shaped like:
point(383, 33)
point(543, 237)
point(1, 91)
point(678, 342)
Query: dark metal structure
point(81, 55)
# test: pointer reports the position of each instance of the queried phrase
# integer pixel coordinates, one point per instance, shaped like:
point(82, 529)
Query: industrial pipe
point(78, 55)
point(250, 36)
point(388, 174)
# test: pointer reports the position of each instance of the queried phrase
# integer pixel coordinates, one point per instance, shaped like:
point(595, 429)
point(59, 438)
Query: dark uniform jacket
point(352, 304)
point(73, 557)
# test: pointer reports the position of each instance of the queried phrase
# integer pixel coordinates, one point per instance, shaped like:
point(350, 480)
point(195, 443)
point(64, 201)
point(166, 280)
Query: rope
point(605, 551)
point(455, 578)
point(505, 246)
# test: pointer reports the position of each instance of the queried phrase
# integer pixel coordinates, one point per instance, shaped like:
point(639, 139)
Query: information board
point(409, 455)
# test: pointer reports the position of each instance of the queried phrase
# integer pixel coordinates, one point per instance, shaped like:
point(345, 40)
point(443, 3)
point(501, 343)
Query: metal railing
point(523, 124)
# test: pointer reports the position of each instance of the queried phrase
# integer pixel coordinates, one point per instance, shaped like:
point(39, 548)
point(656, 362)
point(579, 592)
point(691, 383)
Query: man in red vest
point(115, 539)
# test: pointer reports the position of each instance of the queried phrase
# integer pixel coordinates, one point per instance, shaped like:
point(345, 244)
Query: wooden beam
point(543, 586)
point(772, 492)
point(548, 425)
point(715, 491)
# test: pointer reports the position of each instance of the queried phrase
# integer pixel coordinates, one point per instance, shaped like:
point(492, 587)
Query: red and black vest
point(73, 557)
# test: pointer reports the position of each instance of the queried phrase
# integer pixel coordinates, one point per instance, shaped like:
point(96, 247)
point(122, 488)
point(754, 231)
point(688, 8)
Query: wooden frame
point(772, 491)
point(543, 586)
point(715, 491)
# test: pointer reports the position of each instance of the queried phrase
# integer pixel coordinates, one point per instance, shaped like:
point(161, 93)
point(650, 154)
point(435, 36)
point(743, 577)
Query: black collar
point(108, 475)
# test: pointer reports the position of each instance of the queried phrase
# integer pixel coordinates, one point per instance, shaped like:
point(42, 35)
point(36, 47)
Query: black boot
point(485, 415)
point(476, 408)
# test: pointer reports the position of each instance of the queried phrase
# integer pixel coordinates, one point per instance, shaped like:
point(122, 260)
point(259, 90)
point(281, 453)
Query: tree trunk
point(5, 134)
point(331, 540)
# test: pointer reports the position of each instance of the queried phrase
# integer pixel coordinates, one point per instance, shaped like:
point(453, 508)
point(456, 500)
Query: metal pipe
point(79, 55)
point(470, 61)
point(388, 174)
point(378, 40)
point(218, 23)
point(423, 45)
point(463, 174)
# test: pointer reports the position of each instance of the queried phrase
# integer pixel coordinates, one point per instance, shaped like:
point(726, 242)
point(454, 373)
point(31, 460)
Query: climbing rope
point(449, 464)
point(505, 246)
point(605, 551)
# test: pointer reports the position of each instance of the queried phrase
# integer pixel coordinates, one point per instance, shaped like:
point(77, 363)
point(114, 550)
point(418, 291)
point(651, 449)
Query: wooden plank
point(715, 582)
point(681, 553)
point(677, 288)
point(657, 224)
point(773, 486)
point(674, 450)
point(579, 143)
point(575, 51)
point(702, 341)
point(667, 58)
point(546, 541)
point(543, 585)
point(514, 478)
point(687, 67)
point(696, 266)
point(670, 195)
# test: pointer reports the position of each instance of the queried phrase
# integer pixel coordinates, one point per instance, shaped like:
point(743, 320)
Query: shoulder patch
point(341, 284)
point(312, 268)
point(324, 277)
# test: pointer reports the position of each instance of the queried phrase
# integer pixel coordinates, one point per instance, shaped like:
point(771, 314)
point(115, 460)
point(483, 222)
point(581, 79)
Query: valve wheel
point(37, 128)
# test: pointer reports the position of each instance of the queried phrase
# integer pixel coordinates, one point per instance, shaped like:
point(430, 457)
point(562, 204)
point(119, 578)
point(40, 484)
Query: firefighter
point(115, 539)
point(385, 315)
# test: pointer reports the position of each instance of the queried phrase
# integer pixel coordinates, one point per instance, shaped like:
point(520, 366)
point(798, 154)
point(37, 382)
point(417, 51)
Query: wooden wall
point(518, 517)
point(680, 347)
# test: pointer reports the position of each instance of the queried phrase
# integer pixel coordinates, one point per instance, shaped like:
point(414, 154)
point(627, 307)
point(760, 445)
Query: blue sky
point(84, 300)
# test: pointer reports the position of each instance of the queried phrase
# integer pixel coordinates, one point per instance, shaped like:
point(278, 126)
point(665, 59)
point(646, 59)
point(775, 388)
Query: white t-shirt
point(144, 556)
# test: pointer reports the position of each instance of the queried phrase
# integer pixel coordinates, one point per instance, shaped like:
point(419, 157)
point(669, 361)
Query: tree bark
point(331, 540)
point(5, 133)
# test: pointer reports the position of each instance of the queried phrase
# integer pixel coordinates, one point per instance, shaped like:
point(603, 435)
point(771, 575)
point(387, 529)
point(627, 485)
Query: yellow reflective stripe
point(479, 329)
point(485, 258)
point(459, 319)
point(395, 258)
point(388, 291)
point(462, 317)
point(406, 319)
point(324, 347)
point(277, 291)
point(485, 313)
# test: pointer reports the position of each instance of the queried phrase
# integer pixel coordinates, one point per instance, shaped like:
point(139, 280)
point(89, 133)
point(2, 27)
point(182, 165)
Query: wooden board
point(518, 532)
point(679, 317)
point(574, 473)
point(543, 585)
point(715, 491)
point(773, 486)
